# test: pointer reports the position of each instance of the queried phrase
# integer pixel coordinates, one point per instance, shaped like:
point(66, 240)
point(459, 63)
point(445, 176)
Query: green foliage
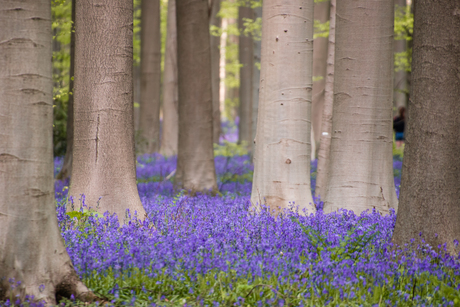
point(321, 29)
point(403, 30)
point(229, 149)
point(253, 28)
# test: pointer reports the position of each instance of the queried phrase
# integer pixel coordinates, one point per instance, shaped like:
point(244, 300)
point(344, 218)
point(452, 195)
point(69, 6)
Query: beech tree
point(215, 20)
point(282, 144)
point(31, 247)
point(195, 158)
point(66, 170)
point(361, 163)
point(255, 80)
point(149, 121)
point(429, 197)
point(104, 164)
point(170, 131)
point(246, 57)
point(326, 123)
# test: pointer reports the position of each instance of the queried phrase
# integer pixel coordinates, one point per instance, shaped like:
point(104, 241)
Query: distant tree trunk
point(246, 57)
point(137, 96)
point(170, 131)
point(31, 247)
point(195, 159)
point(430, 194)
point(104, 164)
point(255, 82)
point(361, 164)
point(215, 70)
point(66, 170)
point(326, 123)
point(320, 44)
point(282, 157)
point(149, 124)
point(400, 77)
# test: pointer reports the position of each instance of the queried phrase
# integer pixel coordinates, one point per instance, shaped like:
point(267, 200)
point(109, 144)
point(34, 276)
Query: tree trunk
point(282, 157)
point(66, 170)
point(170, 131)
point(195, 159)
point(31, 247)
point(400, 77)
point(255, 82)
point(149, 124)
point(320, 44)
point(326, 123)
point(430, 194)
point(137, 96)
point(361, 164)
point(215, 70)
point(246, 57)
point(104, 164)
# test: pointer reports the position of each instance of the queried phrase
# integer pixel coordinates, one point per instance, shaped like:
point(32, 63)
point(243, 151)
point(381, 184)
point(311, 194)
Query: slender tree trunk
point(170, 131)
point(150, 77)
point(195, 159)
point(430, 194)
point(66, 170)
point(31, 247)
point(282, 158)
point(361, 164)
point(326, 123)
point(255, 81)
point(246, 57)
point(400, 77)
point(104, 164)
point(215, 70)
point(320, 44)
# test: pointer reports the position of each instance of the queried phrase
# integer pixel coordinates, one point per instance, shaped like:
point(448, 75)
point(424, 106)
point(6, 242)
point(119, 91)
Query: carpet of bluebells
point(213, 251)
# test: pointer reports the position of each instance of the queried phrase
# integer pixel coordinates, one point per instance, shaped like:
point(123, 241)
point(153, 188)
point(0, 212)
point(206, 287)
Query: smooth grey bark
point(104, 164)
point(326, 123)
point(430, 194)
point(170, 131)
point(149, 119)
point(361, 162)
point(246, 58)
point(255, 81)
point(215, 20)
point(66, 170)
point(282, 156)
point(320, 45)
point(195, 158)
point(31, 247)
point(400, 77)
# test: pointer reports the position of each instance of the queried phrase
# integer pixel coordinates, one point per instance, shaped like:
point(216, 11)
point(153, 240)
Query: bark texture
point(246, 57)
point(170, 131)
point(149, 121)
point(104, 163)
point(430, 183)
point(361, 164)
point(326, 123)
point(255, 82)
point(282, 157)
point(66, 170)
point(215, 20)
point(195, 158)
point(31, 248)
point(320, 53)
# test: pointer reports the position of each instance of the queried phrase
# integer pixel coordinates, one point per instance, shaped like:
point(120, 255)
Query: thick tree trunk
point(215, 70)
point(282, 157)
point(326, 123)
point(31, 248)
point(430, 194)
point(66, 170)
point(170, 131)
point(320, 44)
point(246, 57)
point(195, 159)
point(149, 121)
point(255, 82)
point(104, 164)
point(400, 77)
point(361, 164)
point(137, 96)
